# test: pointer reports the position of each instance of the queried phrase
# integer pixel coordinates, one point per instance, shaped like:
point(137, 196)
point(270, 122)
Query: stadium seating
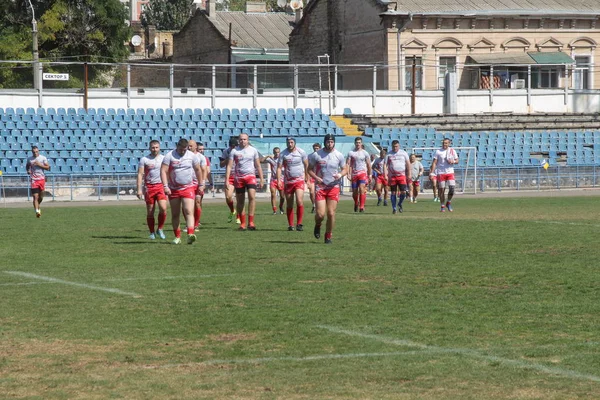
point(95, 140)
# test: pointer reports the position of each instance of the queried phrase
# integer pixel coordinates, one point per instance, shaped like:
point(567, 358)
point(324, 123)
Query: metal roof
point(532, 57)
point(255, 30)
point(487, 7)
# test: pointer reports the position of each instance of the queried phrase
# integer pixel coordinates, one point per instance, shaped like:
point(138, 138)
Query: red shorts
point(398, 180)
point(327, 193)
point(359, 178)
point(291, 187)
point(154, 192)
point(39, 184)
point(382, 180)
point(231, 180)
point(445, 177)
point(187, 193)
point(416, 183)
point(245, 181)
point(275, 184)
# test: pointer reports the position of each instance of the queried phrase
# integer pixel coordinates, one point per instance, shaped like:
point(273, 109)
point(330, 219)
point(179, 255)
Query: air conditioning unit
point(519, 84)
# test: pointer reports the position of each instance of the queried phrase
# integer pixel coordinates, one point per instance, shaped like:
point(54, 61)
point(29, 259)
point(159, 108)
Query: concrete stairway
point(349, 128)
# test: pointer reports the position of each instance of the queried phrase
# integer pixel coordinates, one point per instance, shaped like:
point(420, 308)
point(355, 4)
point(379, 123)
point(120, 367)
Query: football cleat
point(449, 207)
point(238, 221)
point(290, 228)
point(379, 202)
point(317, 231)
point(327, 241)
point(251, 228)
point(177, 240)
point(231, 217)
point(191, 239)
point(152, 236)
point(161, 234)
point(355, 208)
point(362, 210)
point(299, 227)
point(38, 214)
point(385, 203)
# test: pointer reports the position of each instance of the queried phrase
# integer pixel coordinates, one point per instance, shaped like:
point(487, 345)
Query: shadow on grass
point(115, 237)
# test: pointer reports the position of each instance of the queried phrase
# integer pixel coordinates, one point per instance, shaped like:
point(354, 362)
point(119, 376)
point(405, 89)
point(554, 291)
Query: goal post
point(466, 171)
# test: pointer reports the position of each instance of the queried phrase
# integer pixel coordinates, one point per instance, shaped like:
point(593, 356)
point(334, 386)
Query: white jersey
point(181, 169)
point(292, 163)
point(203, 163)
point(396, 163)
point(442, 156)
point(244, 161)
point(377, 166)
point(358, 160)
point(37, 173)
point(327, 165)
point(273, 162)
point(151, 166)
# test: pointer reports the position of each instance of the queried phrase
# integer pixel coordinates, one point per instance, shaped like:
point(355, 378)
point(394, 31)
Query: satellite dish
point(296, 4)
point(281, 3)
point(136, 40)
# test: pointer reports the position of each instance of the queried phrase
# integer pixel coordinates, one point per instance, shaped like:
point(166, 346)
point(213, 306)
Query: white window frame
point(440, 68)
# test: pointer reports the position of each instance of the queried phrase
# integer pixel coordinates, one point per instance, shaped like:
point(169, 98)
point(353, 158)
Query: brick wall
point(349, 32)
point(199, 42)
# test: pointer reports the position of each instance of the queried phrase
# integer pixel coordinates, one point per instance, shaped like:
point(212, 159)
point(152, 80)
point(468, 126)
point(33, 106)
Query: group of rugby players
point(181, 176)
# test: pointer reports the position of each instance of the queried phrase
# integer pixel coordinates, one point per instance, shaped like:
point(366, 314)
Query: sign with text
point(55, 77)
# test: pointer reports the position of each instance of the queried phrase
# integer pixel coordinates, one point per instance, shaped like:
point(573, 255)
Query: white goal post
point(464, 179)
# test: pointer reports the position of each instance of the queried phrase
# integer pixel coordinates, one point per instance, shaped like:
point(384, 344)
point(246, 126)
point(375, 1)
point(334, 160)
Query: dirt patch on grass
point(232, 337)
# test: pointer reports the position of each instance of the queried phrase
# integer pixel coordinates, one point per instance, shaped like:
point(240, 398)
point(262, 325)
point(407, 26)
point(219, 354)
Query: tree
point(68, 30)
point(167, 15)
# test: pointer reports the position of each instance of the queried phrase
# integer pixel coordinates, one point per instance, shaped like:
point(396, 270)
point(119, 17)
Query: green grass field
point(498, 300)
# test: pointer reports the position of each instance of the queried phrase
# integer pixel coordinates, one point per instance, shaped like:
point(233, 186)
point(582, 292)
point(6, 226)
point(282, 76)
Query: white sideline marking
point(296, 359)
point(83, 285)
point(160, 278)
point(467, 352)
point(25, 283)
point(567, 223)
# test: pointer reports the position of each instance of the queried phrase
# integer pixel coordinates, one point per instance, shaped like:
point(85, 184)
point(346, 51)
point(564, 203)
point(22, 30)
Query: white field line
point(296, 359)
point(82, 285)
point(159, 278)
point(467, 352)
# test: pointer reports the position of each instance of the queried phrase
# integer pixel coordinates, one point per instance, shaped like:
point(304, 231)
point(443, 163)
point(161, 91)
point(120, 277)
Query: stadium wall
point(333, 103)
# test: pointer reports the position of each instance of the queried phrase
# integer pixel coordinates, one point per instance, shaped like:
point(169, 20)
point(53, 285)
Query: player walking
point(327, 167)
point(396, 165)
point(179, 169)
point(311, 182)
point(381, 183)
point(193, 147)
point(359, 164)
point(294, 163)
point(244, 163)
point(228, 184)
point(443, 163)
point(153, 191)
point(275, 185)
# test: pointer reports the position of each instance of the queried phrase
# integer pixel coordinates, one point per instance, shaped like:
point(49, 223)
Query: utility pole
point(36, 54)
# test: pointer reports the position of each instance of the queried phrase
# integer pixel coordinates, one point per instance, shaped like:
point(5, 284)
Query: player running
point(416, 171)
point(443, 163)
point(327, 167)
point(359, 167)
point(294, 164)
point(275, 184)
point(395, 166)
point(179, 169)
point(36, 167)
point(228, 184)
point(381, 184)
point(244, 163)
point(153, 191)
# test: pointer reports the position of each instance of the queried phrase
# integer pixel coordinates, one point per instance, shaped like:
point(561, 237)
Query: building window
point(418, 73)
point(447, 64)
point(581, 75)
point(546, 77)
